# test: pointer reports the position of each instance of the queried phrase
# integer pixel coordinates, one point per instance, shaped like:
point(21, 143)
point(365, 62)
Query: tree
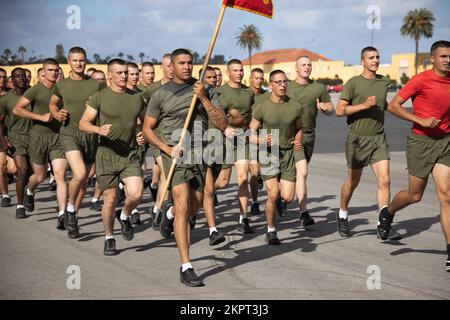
point(7, 53)
point(21, 51)
point(249, 38)
point(97, 58)
point(142, 56)
point(418, 23)
point(120, 55)
point(60, 56)
point(130, 57)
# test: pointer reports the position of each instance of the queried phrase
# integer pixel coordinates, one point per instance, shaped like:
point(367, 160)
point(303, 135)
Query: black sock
point(448, 251)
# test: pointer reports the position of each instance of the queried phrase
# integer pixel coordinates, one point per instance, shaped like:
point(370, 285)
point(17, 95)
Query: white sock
point(94, 199)
point(155, 209)
point(120, 185)
point(71, 208)
point(109, 237)
point(271, 229)
point(5, 196)
point(154, 185)
point(20, 206)
point(169, 213)
point(211, 230)
point(135, 211)
point(242, 216)
point(60, 213)
point(123, 216)
point(186, 266)
point(382, 208)
point(343, 214)
point(29, 193)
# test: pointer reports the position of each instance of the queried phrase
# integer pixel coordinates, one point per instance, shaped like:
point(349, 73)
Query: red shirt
point(430, 95)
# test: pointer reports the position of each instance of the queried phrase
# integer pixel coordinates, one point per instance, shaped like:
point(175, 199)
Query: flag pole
point(193, 102)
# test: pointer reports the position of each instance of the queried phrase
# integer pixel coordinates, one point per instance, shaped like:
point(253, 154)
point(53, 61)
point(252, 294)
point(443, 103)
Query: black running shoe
point(384, 224)
point(190, 279)
point(110, 247)
point(342, 225)
point(272, 239)
point(120, 196)
point(52, 186)
point(28, 202)
point(156, 219)
point(136, 218)
point(6, 202)
point(447, 265)
point(91, 182)
point(244, 227)
point(192, 222)
point(95, 206)
point(166, 226)
point(306, 219)
point(60, 225)
point(254, 209)
point(126, 227)
point(260, 183)
point(215, 238)
point(72, 225)
point(153, 192)
point(281, 208)
point(147, 181)
point(20, 213)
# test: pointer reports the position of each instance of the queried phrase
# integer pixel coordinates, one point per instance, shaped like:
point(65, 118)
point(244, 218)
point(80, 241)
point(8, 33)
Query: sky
point(336, 29)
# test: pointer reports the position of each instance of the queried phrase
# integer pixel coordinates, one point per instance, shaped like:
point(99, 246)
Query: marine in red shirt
point(428, 146)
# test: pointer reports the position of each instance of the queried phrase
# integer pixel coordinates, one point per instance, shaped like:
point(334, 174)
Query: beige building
point(284, 59)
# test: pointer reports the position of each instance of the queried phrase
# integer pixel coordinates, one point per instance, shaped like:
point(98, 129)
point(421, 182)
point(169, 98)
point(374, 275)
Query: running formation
point(104, 129)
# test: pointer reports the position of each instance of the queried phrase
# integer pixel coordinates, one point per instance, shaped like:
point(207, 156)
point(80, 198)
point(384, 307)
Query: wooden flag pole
point(191, 108)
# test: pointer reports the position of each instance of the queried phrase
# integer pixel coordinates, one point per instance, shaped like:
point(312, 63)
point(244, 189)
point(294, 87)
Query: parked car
point(336, 88)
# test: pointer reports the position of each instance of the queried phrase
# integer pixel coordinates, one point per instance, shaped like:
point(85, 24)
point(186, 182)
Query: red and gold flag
point(261, 7)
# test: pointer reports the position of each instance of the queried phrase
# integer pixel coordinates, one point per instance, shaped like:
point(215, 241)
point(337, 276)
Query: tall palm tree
point(142, 56)
point(249, 38)
point(7, 53)
point(418, 23)
point(21, 51)
point(130, 57)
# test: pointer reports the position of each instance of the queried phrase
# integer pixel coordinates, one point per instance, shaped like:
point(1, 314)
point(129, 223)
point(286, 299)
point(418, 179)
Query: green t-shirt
point(260, 97)
point(356, 91)
point(281, 116)
point(74, 95)
point(121, 110)
point(237, 98)
point(143, 87)
point(39, 97)
point(307, 95)
point(170, 105)
point(14, 124)
point(148, 91)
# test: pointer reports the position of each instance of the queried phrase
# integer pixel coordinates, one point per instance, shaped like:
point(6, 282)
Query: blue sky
point(337, 29)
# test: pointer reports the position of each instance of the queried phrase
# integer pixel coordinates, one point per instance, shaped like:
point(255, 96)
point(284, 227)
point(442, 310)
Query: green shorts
point(20, 142)
point(45, 147)
point(72, 139)
point(194, 174)
point(236, 149)
point(362, 151)
point(282, 168)
point(423, 152)
point(307, 149)
point(110, 168)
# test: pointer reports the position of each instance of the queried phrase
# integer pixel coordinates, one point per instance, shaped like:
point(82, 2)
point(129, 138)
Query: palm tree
point(130, 57)
point(120, 55)
point(7, 53)
point(418, 23)
point(21, 51)
point(249, 38)
point(97, 58)
point(142, 56)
